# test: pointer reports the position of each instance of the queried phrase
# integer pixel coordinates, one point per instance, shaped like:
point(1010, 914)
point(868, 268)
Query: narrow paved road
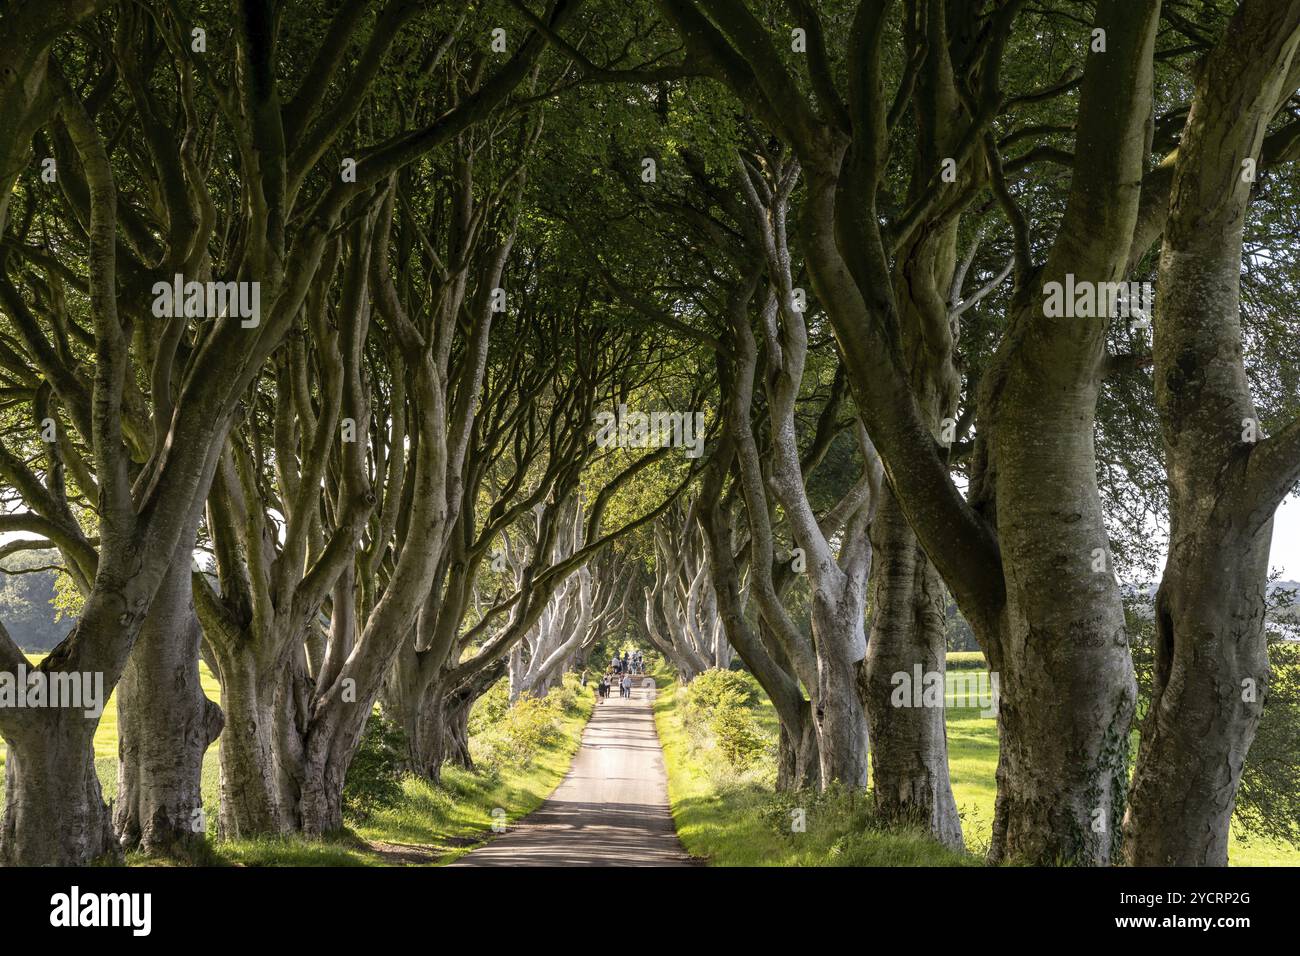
point(612, 808)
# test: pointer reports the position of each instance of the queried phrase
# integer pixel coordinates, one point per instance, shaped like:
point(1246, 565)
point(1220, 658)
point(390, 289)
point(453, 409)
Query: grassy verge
point(428, 825)
point(437, 824)
point(730, 817)
point(733, 819)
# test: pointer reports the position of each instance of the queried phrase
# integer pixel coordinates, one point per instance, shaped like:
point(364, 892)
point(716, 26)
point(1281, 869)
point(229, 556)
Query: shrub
point(715, 688)
point(739, 737)
point(374, 780)
point(528, 727)
point(490, 709)
point(718, 713)
point(566, 694)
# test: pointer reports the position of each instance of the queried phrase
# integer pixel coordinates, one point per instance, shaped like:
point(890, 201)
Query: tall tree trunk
point(909, 758)
point(516, 672)
point(840, 717)
point(1207, 697)
point(54, 809)
point(1067, 691)
point(409, 701)
point(798, 763)
point(909, 744)
point(165, 725)
point(455, 730)
point(330, 744)
point(251, 803)
point(1225, 483)
point(445, 724)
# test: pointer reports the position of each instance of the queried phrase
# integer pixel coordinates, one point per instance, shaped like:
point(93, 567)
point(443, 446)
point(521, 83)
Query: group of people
point(633, 663)
point(610, 679)
point(618, 674)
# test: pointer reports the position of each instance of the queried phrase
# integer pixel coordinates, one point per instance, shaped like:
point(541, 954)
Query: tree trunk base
point(55, 813)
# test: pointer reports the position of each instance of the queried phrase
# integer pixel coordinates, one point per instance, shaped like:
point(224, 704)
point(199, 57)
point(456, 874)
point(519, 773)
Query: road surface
point(612, 808)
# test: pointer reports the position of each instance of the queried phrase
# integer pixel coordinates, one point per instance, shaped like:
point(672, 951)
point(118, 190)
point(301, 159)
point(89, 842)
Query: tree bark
point(415, 705)
point(1211, 668)
point(54, 811)
point(329, 747)
point(251, 801)
point(798, 763)
point(1207, 696)
point(1061, 653)
point(444, 721)
point(165, 725)
point(841, 719)
point(909, 757)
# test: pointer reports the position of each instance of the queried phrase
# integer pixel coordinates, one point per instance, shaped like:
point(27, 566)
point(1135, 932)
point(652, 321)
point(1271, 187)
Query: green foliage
point(490, 709)
point(33, 603)
point(717, 688)
point(374, 780)
point(513, 735)
point(738, 735)
point(719, 713)
point(68, 601)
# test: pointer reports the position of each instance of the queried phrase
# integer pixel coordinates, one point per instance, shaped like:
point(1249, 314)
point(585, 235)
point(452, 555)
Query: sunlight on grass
point(433, 824)
point(729, 821)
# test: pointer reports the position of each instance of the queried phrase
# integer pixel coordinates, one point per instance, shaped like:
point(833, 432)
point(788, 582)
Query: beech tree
point(151, 482)
point(1225, 479)
point(313, 321)
point(591, 601)
point(681, 617)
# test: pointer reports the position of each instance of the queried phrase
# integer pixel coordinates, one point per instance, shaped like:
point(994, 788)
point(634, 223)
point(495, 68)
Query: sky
point(1285, 556)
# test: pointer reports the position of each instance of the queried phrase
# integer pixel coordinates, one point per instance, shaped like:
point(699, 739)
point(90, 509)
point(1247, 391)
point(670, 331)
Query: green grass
point(432, 825)
point(966, 660)
point(733, 819)
point(728, 819)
